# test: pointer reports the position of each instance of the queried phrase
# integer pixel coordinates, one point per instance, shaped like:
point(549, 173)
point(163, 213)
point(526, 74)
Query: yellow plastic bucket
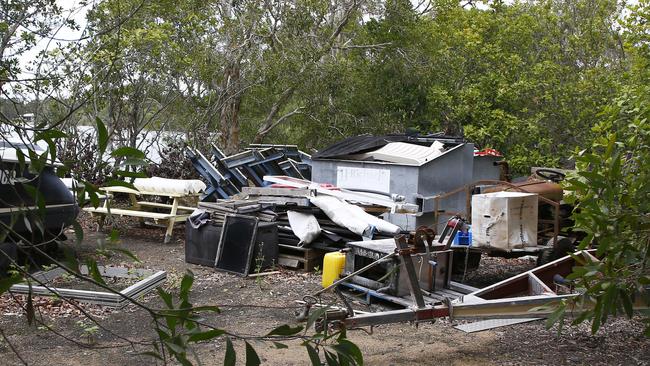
point(333, 264)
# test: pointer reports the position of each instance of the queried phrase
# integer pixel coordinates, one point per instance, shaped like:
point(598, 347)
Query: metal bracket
point(414, 285)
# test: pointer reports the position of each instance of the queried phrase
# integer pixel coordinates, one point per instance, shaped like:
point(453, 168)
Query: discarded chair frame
point(228, 175)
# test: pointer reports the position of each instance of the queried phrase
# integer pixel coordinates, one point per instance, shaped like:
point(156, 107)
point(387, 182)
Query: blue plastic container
point(463, 238)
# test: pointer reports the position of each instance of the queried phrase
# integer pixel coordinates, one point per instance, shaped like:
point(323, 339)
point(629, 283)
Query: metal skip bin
point(412, 175)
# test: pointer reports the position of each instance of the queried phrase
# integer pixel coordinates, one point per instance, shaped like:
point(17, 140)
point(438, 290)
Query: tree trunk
point(229, 116)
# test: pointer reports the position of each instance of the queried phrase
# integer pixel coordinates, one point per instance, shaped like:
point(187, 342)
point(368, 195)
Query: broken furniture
point(249, 207)
point(201, 243)
point(147, 281)
point(171, 214)
point(237, 236)
point(297, 163)
point(287, 203)
point(310, 214)
point(414, 167)
point(220, 184)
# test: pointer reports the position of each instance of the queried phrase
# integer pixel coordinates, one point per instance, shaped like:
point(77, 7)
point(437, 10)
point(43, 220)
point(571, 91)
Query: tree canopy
point(529, 78)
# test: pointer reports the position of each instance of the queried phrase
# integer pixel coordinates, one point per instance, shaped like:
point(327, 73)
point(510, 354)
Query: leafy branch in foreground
point(611, 194)
point(179, 325)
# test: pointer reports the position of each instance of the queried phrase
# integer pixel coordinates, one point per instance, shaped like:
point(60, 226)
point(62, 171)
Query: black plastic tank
point(20, 214)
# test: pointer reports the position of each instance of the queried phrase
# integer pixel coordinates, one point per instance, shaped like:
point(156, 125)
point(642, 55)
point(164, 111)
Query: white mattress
point(164, 185)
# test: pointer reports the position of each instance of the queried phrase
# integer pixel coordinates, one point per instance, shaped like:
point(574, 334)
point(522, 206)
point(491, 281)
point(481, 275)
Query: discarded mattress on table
point(169, 186)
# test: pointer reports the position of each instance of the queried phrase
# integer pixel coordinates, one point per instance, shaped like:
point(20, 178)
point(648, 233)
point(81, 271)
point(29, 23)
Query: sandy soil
point(273, 297)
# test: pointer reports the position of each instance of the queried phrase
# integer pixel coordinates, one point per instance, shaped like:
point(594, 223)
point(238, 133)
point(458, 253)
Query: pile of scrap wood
point(218, 210)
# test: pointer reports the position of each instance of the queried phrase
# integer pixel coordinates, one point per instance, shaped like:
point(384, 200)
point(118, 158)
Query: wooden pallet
point(304, 259)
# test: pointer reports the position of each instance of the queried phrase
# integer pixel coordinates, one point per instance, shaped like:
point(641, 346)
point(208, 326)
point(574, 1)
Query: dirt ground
point(253, 307)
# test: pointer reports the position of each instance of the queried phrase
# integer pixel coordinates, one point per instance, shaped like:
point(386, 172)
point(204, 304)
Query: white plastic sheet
point(382, 226)
point(304, 225)
point(352, 217)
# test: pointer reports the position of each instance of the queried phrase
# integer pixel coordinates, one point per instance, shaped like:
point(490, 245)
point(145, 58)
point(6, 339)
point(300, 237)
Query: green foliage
point(177, 324)
point(89, 331)
point(527, 79)
point(611, 191)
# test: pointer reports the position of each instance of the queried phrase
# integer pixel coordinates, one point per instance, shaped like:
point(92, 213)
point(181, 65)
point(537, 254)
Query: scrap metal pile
point(227, 175)
point(310, 218)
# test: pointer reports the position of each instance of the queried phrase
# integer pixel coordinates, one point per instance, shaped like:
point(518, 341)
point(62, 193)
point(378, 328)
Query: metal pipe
point(335, 283)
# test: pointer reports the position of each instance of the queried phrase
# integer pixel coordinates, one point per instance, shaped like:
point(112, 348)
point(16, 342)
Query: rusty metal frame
point(528, 294)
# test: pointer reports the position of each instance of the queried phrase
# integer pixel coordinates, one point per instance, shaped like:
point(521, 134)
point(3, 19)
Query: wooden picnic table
point(139, 208)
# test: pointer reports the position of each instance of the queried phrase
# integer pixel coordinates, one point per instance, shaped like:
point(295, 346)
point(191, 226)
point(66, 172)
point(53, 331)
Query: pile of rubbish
point(228, 175)
point(307, 215)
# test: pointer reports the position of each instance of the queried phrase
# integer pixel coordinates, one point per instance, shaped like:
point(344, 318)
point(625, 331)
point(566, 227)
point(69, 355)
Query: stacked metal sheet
point(227, 175)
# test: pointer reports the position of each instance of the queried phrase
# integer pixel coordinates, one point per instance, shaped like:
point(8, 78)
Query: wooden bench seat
point(177, 213)
point(134, 213)
point(164, 205)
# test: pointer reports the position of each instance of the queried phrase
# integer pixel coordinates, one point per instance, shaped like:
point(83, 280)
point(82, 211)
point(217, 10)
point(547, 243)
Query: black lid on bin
point(365, 143)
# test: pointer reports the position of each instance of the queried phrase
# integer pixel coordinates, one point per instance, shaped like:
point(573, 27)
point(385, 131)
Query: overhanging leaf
point(207, 335)
point(285, 330)
point(102, 136)
point(126, 252)
point(230, 359)
point(93, 271)
point(313, 355)
point(127, 151)
point(348, 349)
point(7, 282)
point(252, 359)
